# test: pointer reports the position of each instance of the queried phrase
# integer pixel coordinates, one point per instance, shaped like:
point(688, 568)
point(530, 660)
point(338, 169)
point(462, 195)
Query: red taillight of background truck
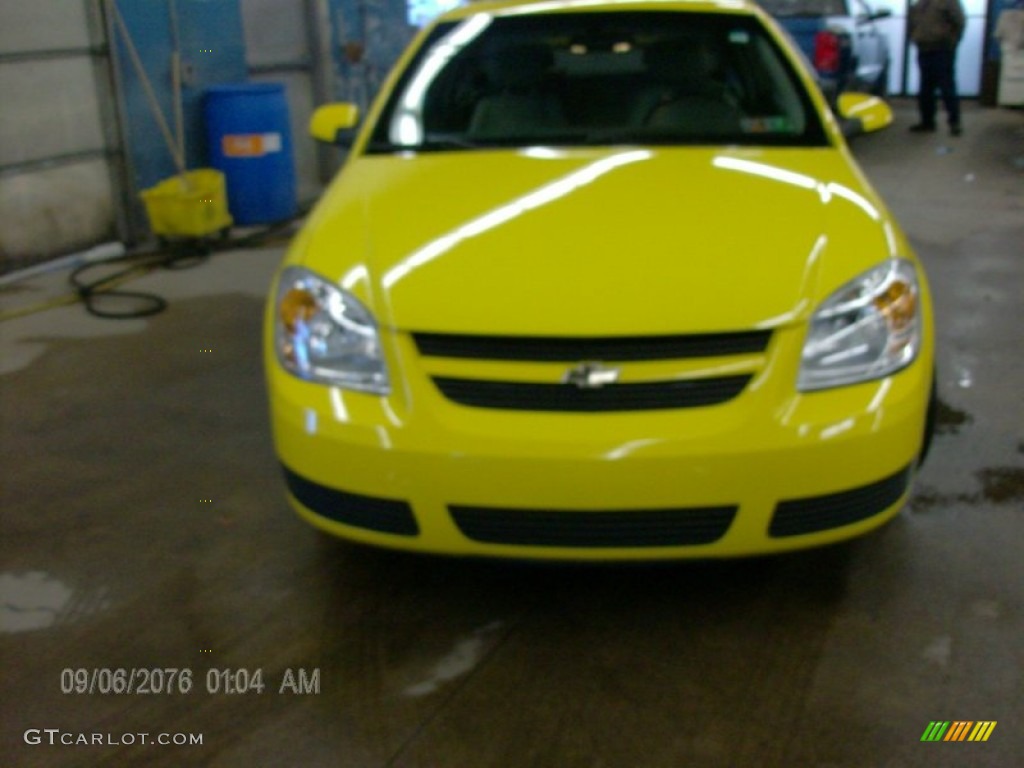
point(826, 52)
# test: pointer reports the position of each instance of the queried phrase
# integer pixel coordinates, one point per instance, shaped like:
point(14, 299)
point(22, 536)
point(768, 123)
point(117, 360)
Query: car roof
point(515, 7)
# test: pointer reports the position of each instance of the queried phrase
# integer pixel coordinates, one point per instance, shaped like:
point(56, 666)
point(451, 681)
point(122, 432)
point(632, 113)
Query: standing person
point(936, 27)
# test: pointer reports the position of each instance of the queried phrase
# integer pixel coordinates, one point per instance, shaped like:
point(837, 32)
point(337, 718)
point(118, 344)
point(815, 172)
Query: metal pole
point(147, 88)
point(135, 216)
point(121, 184)
point(318, 26)
point(179, 120)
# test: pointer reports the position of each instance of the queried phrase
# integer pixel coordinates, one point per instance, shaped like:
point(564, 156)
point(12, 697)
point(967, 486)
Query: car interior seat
point(521, 99)
point(688, 92)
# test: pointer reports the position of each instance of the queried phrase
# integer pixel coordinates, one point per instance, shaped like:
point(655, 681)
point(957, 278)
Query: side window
point(785, 112)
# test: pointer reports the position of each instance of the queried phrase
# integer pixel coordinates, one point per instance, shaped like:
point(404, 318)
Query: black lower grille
point(821, 513)
point(609, 348)
point(625, 528)
point(369, 512)
point(639, 396)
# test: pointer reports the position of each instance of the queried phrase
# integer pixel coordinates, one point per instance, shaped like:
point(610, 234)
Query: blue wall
point(381, 29)
point(212, 51)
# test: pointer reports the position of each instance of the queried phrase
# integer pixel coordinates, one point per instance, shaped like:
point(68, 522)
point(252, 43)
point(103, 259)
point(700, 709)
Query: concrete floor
point(144, 526)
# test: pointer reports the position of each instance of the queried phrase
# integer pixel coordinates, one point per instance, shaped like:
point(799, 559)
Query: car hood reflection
point(559, 242)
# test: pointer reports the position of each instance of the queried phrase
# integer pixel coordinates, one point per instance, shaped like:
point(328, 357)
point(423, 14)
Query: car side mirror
point(862, 113)
point(333, 123)
point(867, 18)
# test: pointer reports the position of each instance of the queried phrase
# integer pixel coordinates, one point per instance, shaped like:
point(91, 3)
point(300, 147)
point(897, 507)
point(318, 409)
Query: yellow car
point(599, 280)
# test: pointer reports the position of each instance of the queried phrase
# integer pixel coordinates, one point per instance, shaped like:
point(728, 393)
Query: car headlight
point(324, 334)
point(867, 329)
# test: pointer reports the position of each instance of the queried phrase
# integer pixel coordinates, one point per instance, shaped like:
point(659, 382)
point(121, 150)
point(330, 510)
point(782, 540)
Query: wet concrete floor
point(144, 528)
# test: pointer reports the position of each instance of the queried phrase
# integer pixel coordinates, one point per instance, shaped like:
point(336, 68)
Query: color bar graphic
point(982, 731)
point(958, 730)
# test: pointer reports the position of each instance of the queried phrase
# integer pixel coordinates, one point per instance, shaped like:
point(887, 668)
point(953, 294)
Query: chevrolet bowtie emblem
point(591, 376)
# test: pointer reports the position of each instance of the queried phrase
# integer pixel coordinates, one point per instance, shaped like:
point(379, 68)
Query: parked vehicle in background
point(841, 39)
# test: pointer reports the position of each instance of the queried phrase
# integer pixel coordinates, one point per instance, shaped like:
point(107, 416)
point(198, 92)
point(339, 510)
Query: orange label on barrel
point(250, 144)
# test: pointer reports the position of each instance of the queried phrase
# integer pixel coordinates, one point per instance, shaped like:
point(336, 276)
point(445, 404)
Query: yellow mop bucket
point(193, 204)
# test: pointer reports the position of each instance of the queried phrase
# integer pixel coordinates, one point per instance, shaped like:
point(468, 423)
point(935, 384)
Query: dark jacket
point(936, 24)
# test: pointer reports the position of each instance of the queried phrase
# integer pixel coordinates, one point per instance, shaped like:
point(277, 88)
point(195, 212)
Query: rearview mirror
point(862, 113)
point(330, 122)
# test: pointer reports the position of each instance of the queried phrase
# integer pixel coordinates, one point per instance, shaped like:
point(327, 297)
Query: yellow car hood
point(605, 241)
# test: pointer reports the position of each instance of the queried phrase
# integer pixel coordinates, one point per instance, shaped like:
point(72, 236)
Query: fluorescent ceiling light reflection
point(802, 304)
point(880, 395)
point(338, 403)
point(408, 130)
point(632, 446)
point(389, 412)
point(825, 191)
point(837, 429)
point(407, 127)
point(766, 171)
point(890, 238)
point(859, 200)
point(543, 153)
point(511, 210)
point(560, 5)
point(354, 276)
point(557, 5)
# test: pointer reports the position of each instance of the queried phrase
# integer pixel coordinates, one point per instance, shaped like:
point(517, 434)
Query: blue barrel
point(249, 140)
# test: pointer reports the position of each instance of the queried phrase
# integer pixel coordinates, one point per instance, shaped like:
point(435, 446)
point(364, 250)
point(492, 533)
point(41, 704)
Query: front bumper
point(769, 471)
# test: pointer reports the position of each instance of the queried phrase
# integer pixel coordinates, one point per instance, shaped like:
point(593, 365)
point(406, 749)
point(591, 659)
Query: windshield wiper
point(447, 141)
point(432, 142)
point(461, 141)
point(614, 136)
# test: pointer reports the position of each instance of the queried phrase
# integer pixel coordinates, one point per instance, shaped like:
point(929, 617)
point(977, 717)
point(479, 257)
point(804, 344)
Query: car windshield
point(583, 79)
point(784, 8)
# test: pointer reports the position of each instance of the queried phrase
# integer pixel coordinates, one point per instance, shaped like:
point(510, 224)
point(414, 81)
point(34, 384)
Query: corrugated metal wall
point(78, 136)
point(59, 162)
point(207, 36)
point(288, 42)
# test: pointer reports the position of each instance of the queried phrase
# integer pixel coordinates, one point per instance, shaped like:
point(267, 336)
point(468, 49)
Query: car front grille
point(644, 396)
point(570, 389)
point(614, 528)
point(569, 349)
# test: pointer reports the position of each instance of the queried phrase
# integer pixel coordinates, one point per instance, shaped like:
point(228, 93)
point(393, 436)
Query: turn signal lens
point(899, 304)
point(297, 306)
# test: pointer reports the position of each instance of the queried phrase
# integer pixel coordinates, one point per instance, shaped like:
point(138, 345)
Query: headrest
point(518, 66)
point(688, 62)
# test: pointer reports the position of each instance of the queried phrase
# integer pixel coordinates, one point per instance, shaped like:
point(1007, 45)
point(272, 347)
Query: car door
point(870, 46)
